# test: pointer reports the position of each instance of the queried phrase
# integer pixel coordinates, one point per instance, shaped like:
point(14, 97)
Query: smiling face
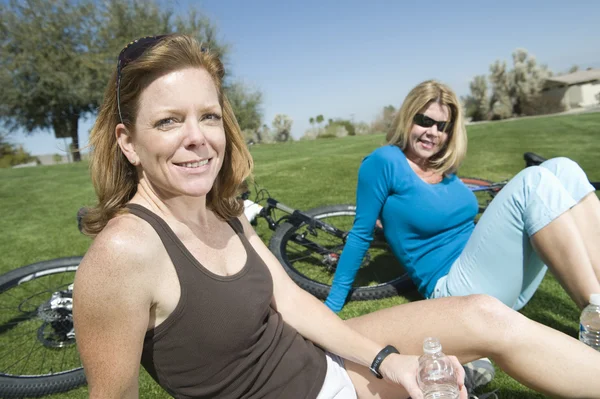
point(179, 141)
point(425, 142)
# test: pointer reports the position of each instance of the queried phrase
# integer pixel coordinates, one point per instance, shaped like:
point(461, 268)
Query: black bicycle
point(309, 244)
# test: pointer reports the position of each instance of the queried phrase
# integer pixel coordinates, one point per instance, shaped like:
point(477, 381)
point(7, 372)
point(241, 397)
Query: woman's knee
point(570, 175)
point(486, 305)
point(489, 318)
point(563, 168)
point(535, 176)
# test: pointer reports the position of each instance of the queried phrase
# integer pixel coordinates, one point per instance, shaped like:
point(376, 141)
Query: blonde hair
point(451, 156)
point(114, 178)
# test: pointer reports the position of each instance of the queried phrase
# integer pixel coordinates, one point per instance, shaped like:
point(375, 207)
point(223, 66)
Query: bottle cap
point(432, 345)
point(595, 299)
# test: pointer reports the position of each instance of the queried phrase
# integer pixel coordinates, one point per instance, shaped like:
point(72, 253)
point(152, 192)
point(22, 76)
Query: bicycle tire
point(57, 272)
point(400, 283)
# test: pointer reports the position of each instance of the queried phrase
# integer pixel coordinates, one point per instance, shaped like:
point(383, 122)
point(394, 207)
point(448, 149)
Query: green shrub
point(11, 155)
point(542, 105)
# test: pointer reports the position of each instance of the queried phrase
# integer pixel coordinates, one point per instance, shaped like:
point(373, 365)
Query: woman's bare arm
point(112, 301)
point(316, 322)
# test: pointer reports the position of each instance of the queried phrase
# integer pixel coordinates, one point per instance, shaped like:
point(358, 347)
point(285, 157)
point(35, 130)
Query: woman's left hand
point(403, 369)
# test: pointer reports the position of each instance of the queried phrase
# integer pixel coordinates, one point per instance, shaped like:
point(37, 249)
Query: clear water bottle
point(589, 324)
point(436, 376)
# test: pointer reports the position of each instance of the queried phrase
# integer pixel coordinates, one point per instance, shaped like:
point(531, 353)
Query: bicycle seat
point(532, 159)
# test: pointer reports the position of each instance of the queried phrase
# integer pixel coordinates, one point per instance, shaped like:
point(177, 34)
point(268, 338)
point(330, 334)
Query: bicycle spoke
point(27, 356)
point(15, 345)
point(35, 347)
point(42, 362)
point(63, 360)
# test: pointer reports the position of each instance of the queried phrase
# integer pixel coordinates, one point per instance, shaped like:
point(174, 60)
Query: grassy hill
point(39, 204)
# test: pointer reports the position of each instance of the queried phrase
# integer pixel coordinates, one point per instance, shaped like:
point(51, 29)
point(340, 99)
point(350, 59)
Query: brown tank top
point(224, 339)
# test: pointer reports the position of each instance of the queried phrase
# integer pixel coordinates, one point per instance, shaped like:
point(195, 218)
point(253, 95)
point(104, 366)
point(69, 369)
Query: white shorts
point(337, 384)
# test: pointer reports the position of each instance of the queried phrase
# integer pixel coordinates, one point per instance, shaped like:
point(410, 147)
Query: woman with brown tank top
point(202, 303)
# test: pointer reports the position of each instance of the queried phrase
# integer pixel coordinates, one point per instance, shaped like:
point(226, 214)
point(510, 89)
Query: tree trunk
point(65, 126)
point(73, 125)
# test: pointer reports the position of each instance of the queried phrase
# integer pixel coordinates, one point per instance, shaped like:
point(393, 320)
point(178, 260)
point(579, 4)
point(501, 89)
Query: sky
point(349, 59)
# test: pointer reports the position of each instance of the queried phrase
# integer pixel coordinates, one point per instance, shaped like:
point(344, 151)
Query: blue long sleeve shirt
point(426, 225)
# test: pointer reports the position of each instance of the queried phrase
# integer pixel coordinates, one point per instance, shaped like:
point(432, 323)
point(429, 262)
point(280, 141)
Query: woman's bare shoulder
point(127, 247)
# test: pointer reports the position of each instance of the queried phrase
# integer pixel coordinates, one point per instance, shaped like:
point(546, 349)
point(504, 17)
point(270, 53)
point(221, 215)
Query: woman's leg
point(587, 211)
point(499, 259)
point(560, 245)
point(478, 326)
point(587, 218)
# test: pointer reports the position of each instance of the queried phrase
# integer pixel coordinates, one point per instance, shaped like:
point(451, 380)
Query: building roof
point(577, 77)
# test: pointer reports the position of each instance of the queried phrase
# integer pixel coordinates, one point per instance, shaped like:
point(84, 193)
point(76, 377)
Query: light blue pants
point(498, 259)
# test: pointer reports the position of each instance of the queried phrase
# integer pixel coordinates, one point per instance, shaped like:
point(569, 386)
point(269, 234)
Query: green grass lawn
point(38, 205)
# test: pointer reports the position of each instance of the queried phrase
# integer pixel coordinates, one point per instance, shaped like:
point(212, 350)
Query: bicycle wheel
point(38, 355)
point(309, 255)
point(484, 197)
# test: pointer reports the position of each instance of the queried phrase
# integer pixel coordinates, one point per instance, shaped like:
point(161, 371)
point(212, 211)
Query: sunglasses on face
point(130, 53)
point(425, 121)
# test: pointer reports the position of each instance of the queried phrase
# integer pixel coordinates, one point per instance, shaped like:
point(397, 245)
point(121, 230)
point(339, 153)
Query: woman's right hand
point(403, 369)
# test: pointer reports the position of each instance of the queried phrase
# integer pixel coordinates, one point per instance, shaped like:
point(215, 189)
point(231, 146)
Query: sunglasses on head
point(425, 121)
point(130, 53)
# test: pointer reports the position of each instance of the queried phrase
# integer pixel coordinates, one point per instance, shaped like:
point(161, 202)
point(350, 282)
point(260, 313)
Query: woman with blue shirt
point(546, 215)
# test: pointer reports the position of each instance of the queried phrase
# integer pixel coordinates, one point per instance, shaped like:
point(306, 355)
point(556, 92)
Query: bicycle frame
point(491, 187)
point(253, 210)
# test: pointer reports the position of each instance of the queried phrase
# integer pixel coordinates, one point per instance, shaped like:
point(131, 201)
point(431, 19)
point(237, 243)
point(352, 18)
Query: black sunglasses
point(130, 53)
point(425, 121)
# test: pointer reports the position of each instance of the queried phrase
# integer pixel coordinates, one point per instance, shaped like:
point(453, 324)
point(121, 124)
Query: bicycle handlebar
point(273, 203)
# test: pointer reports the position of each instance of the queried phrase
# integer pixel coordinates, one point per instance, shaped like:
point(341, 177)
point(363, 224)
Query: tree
point(362, 128)
point(517, 91)
point(56, 56)
point(477, 104)
point(319, 119)
point(264, 134)
point(282, 127)
point(573, 69)
point(384, 121)
point(246, 104)
point(348, 126)
point(528, 79)
point(311, 120)
point(333, 131)
point(501, 103)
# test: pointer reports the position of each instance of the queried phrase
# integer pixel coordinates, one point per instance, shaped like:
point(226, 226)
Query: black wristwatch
point(379, 359)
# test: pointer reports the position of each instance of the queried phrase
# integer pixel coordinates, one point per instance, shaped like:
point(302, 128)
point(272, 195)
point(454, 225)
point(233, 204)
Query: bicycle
point(37, 299)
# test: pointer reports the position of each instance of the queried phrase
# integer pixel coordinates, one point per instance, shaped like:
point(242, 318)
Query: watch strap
point(379, 359)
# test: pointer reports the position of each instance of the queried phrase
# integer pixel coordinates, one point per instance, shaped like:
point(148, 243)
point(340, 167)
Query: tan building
point(576, 90)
